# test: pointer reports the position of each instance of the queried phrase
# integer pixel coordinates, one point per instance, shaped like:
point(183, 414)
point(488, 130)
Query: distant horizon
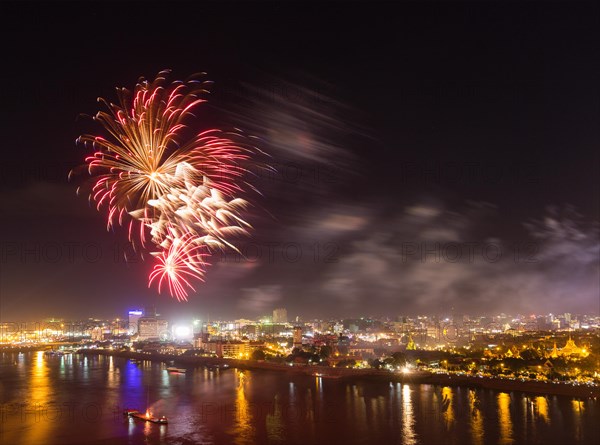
point(291, 320)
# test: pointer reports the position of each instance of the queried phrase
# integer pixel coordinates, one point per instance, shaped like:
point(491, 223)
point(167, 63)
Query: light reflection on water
point(578, 413)
point(504, 419)
point(243, 431)
point(274, 423)
point(40, 406)
point(541, 404)
point(246, 407)
point(447, 408)
point(409, 436)
point(476, 418)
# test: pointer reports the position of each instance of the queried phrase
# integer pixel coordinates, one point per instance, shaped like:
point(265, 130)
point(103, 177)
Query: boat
point(134, 413)
point(176, 370)
point(53, 353)
point(219, 366)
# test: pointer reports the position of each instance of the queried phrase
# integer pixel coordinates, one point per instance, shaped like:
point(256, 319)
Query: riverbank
point(326, 372)
point(527, 386)
point(11, 349)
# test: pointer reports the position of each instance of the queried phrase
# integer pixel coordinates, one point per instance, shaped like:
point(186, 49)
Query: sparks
point(182, 194)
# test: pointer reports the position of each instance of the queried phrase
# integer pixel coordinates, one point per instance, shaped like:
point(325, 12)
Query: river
point(77, 399)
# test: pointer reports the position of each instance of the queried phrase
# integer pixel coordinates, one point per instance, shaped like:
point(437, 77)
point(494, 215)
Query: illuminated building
point(200, 339)
point(513, 353)
point(280, 315)
point(361, 351)
point(554, 353)
point(152, 328)
point(234, 349)
point(134, 317)
point(97, 333)
point(297, 337)
point(570, 349)
point(227, 349)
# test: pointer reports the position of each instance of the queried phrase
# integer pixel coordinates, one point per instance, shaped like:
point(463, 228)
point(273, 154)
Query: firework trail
point(183, 260)
point(184, 194)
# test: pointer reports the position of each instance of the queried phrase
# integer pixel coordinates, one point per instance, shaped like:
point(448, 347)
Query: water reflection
point(86, 368)
point(409, 437)
point(578, 407)
point(447, 408)
point(476, 418)
point(243, 430)
point(130, 426)
point(308, 423)
point(254, 407)
point(39, 409)
point(165, 378)
point(578, 411)
point(148, 429)
point(506, 428)
point(274, 423)
point(133, 380)
point(39, 380)
point(113, 374)
point(541, 404)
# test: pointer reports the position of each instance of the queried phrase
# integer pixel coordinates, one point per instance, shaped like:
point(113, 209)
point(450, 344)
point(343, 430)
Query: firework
point(182, 261)
point(183, 193)
point(140, 158)
point(202, 208)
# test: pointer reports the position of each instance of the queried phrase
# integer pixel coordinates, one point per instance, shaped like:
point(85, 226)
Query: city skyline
point(553, 321)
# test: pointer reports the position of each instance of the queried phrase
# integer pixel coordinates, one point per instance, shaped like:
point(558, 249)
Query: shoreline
point(325, 372)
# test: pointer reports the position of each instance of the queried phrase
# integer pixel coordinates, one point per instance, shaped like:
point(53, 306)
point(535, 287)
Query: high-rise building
point(134, 317)
point(152, 328)
point(280, 315)
point(297, 337)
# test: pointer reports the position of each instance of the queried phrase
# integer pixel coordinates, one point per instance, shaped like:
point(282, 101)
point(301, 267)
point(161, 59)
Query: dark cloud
point(430, 258)
point(260, 300)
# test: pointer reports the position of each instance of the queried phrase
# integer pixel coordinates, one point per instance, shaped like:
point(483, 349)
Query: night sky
point(392, 127)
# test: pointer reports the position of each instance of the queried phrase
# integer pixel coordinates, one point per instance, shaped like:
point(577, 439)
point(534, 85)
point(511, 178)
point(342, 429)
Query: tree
point(514, 364)
point(530, 355)
point(349, 363)
point(375, 363)
point(314, 358)
point(258, 354)
point(399, 359)
point(325, 351)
